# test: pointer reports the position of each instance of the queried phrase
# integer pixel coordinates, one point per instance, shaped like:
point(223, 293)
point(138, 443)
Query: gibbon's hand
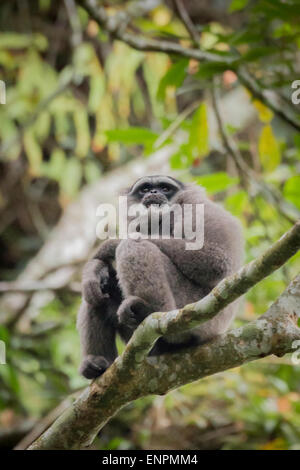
point(95, 288)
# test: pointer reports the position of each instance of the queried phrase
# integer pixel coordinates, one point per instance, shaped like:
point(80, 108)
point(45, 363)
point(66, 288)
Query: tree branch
point(184, 16)
point(270, 98)
point(116, 26)
point(248, 176)
point(134, 374)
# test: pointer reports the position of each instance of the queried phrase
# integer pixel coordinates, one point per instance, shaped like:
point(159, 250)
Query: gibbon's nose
point(153, 191)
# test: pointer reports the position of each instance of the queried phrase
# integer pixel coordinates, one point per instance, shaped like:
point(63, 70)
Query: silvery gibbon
point(129, 279)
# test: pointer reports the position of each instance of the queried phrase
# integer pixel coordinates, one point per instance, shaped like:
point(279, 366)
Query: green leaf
point(237, 202)
point(181, 159)
point(8, 133)
point(22, 41)
point(199, 135)
point(33, 152)
point(82, 57)
point(174, 77)
point(237, 5)
point(62, 123)
point(132, 135)
point(208, 70)
point(4, 334)
point(42, 126)
point(82, 132)
point(268, 148)
point(55, 167)
point(92, 171)
point(256, 53)
point(291, 190)
point(97, 90)
point(71, 178)
point(247, 36)
point(297, 140)
point(216, 182)
point(10, 378)
point(265, 114)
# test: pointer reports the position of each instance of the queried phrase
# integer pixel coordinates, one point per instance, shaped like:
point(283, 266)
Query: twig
point(271, 99)
point(247, 175)
point(164, 136)
point(184, 16)
point(74, 22)
point(116, 25)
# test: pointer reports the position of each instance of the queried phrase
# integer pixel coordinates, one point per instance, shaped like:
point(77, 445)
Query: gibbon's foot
point(133, 311)
point(96, 290)
point(93, 366)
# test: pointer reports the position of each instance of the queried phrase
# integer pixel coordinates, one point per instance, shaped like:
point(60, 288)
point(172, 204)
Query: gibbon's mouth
point(158, 199)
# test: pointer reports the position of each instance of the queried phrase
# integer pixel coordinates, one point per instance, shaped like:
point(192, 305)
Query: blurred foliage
point(76, 109)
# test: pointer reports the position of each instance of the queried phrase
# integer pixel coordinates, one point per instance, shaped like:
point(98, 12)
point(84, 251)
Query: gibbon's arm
point(222, 251)
point(210, 264)
point(107, 251)
point(98, 272)
point(94, 276)
point(206, 266)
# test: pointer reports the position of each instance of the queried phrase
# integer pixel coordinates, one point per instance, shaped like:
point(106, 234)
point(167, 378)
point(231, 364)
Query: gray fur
point(155, 275)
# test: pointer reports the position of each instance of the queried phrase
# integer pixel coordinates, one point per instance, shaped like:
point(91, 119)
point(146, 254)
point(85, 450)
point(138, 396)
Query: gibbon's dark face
point(155, 190)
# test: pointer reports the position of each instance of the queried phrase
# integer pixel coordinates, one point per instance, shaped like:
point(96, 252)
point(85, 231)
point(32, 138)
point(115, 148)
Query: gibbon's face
point(157, 190)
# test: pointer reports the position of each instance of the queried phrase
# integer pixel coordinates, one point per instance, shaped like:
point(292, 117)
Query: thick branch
point(229, 289)
point(272, 333)
point(134, 374)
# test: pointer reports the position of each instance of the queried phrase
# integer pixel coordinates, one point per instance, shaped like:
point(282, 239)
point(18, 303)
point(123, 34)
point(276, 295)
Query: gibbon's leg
point(142, 271)
point(131, 313)
point(143, 281)
point(97, 329)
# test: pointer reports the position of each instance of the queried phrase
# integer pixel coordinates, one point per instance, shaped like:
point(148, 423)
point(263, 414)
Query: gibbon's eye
point(165, 189)
point(144, 189)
